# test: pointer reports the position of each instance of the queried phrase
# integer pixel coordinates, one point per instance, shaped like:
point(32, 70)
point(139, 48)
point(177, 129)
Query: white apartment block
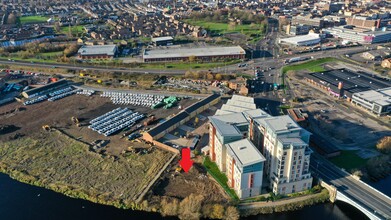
point(285, 147)
point(244, 168)
point(246, 142)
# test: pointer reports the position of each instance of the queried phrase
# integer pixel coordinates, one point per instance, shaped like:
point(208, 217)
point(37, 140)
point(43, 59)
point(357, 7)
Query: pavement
point(368, 197)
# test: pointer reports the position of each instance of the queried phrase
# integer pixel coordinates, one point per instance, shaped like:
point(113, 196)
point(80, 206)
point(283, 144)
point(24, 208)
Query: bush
point(384, 145)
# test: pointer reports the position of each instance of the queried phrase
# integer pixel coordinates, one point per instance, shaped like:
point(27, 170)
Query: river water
point(23, 201)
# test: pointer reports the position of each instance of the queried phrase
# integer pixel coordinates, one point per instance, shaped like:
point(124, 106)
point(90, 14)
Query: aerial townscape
point(207, 109)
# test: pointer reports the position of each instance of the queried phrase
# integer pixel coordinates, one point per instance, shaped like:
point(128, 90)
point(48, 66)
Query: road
point(359, 192)
point(262, 62)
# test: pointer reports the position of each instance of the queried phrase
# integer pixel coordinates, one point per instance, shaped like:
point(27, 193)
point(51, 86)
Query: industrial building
point(377, 102)
point(343, 83)
point(360, 35)
point(179, 119)
point(162, 41)
point(302, 40)
point(184, 54)
point(44, 89)
point(242, 135)
point(98, 52)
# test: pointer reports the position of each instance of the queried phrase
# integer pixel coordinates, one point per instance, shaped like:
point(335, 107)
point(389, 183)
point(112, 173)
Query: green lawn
point(51, 54)
point(223, 28)
point(33, 19)
point(74, 29)
point(348, 160)
point(312, 65)
point(220, 177)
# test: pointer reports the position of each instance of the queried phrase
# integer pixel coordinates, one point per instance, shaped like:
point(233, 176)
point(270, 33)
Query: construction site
point(89, 144)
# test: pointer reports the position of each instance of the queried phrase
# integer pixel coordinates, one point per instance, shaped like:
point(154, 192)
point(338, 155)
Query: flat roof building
point(343, 82)
point(377, 102)
point(98, 52)
point(302, 40)
point(162, 41)
point(246, 142)
point(184, 54)
point(44, 89)
point(360, 35)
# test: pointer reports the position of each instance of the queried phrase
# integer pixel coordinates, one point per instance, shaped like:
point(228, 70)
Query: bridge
point(344, 187)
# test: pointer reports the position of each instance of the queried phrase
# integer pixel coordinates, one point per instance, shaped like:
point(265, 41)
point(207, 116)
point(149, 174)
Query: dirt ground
point(181, 184)
point(30, 119)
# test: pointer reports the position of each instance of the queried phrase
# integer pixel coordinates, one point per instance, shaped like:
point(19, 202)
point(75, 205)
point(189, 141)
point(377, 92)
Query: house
point(386, 63)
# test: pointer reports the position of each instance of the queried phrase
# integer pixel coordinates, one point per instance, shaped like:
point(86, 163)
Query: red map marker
point(186, 163)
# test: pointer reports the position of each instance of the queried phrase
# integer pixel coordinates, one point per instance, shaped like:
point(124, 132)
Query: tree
point(190, 207)
point(11, 19)
point(57, 27)
point(192, 58)
point(218, 76)
point(231, 213)
point(384, 145)
point(169, 208)
point(209, 76)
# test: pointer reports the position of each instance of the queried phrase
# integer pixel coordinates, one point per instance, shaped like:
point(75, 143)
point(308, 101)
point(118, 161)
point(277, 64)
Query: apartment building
point(244, 168)
point(246, 142)
point(285, 147)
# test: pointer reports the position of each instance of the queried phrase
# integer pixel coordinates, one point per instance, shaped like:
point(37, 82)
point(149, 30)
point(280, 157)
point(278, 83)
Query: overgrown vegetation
point(384, 145)
point(57, 162)
point(220, 177)
point(321, 197)
point(193, 207)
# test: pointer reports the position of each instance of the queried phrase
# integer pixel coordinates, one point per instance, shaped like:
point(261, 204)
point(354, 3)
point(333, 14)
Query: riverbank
point(292, 204)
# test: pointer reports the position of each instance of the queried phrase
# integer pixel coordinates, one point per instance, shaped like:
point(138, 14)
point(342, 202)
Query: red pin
point(186, 163)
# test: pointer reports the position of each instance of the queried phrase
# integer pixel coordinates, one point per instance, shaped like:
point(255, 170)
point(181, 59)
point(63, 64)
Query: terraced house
point(247, 144)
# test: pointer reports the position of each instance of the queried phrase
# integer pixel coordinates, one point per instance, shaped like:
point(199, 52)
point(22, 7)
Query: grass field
point(223, 28)
point(220, 177)
point(312, 65)
point(74, 29)
point(348, 160)
point(55, 161)
point(33, 19)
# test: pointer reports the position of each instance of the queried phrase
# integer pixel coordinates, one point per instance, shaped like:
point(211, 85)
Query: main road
point(263, 62)
point(363, 194)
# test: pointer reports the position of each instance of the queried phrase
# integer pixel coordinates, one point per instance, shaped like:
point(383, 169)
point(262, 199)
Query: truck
point(296, 59)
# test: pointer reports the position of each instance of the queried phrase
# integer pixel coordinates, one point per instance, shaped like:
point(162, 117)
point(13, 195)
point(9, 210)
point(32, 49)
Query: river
point(23, 201)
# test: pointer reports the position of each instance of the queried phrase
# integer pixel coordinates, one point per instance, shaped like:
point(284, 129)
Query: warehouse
point(344, 83)
point(98, 52)
point(44, 89)
point(360, 35)
point(377, 102)
point(179, 119)
point(185, 54)
point(302, 40)
point(162, 41)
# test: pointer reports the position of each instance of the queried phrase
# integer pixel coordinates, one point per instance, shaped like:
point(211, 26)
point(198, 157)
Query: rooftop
point(155, 39)
point(282, 123)
point(352, 82)
point(187, 52)
point(301, 38)
point(98, 49)
point(381, 97)
point(245, 153)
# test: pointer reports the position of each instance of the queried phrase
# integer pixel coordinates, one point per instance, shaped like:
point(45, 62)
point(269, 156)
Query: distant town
point(281, 104)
